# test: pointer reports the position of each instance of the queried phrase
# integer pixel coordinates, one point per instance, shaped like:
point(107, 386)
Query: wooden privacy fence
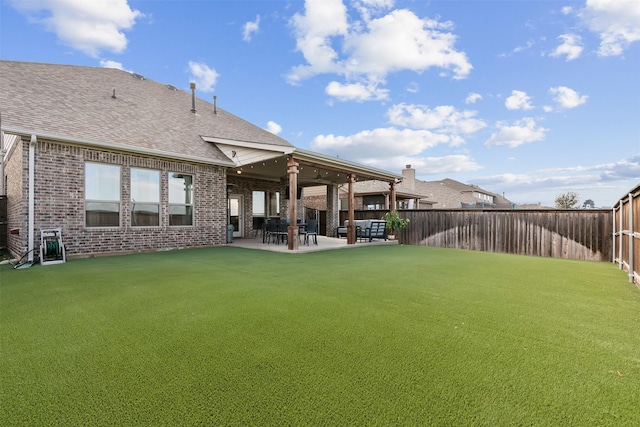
point(584, 234)
point(626, 226)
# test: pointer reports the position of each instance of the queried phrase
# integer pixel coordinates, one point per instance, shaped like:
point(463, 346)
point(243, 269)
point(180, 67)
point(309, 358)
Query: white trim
point(282, 149)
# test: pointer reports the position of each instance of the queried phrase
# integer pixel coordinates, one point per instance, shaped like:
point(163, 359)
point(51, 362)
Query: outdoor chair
point(282, 232)
point(271, 231)
point(311, 230)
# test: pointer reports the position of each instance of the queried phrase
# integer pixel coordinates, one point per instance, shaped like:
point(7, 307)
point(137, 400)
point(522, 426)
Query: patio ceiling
point(266, 162)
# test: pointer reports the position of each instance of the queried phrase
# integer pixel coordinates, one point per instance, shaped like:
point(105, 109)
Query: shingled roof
point(116, 107)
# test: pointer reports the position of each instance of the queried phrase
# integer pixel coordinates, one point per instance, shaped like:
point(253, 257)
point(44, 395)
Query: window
point(145, 198)
point(274, 203)
point(259, 204)
point(373, 202)
point(102, 195)
point(180, 199)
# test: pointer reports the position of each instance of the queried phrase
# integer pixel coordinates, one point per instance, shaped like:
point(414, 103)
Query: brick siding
point(59, 202)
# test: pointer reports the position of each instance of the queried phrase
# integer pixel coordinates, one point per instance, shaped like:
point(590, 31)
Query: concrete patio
point(324, 244)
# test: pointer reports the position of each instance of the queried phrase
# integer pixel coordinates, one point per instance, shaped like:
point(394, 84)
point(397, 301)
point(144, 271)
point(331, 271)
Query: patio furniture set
point(276, 231)
point(366, 229)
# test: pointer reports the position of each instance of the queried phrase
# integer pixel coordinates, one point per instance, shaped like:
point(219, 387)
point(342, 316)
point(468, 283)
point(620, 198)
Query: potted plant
point(394, 222)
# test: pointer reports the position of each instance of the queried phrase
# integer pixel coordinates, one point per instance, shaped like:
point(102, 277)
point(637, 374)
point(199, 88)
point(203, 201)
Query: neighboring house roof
point(76, 102)
point(380, 187)
point(450, 194)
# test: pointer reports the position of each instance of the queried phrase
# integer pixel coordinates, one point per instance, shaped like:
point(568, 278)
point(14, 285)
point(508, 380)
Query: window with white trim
point(145, 198)
point(102, 195)
point(180, 199)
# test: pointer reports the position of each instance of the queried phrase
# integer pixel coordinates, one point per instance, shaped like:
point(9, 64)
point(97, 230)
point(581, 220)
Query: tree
point(588, 204)
point(567, 200)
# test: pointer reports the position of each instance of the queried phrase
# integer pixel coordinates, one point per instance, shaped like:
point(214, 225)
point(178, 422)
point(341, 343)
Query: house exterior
point(120, 163)
point(451, 194)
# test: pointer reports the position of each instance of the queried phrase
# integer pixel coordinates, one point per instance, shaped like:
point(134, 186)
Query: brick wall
point(59, 202)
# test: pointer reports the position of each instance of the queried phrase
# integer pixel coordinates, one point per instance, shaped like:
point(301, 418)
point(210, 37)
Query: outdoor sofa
point(366, 229)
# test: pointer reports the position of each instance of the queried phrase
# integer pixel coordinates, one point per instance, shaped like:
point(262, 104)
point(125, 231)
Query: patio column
point(351, 228)
point(292, 230)
point(333, 209)
point(394, 205)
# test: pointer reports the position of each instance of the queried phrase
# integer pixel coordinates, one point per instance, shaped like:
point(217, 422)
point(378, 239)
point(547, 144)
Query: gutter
point(118, 147)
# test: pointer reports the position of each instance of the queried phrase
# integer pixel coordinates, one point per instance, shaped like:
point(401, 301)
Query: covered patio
point(281, 171)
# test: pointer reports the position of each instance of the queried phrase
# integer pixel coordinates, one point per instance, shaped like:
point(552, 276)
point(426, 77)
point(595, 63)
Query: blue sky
point(527, 98)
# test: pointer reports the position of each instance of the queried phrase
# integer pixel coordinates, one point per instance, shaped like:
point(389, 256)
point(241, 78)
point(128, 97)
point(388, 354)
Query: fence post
point(613, 237)
point(631, 238)
point(621, 235)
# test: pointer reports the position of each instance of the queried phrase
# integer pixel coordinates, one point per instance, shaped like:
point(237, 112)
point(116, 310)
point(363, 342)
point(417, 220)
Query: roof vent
point(215, 108)
point(138, 76)
point(172, 87)
point(114, 93)
point(192, 85)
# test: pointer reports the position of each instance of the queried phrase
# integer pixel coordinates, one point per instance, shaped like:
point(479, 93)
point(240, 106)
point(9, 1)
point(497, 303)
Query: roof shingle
point(78, 102)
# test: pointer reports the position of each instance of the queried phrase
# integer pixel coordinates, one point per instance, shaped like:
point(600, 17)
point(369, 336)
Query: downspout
point(32, 161)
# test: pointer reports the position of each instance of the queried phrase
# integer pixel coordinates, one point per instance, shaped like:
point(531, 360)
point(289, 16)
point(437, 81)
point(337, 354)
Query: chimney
point(192, 85)
point(409, 178)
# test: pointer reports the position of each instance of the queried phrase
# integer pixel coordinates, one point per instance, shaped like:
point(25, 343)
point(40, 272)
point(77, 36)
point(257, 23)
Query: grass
point(386, 335)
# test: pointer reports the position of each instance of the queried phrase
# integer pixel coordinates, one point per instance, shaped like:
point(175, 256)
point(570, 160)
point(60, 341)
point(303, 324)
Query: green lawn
point(380, 335)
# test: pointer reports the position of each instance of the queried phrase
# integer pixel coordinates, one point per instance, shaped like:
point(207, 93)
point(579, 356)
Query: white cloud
point(616, 22)
point(250, 28)
point(518, 101)
point(472, 98)
point(520, 132)
point(365, 51)
point(392, 149)
point(517, 49)
point(314, 30)
point(380, 143)
point(403, 41)
point(367, 8)
point(571, 47)
point(456, 163)
point(604, 182)
point(442, 119)
point(204, 77)
point(413, 87)
point(111, 64)
point(527, 46)
point(273, 127)
point(566, 97)
point(88, 26)
point(356, 92)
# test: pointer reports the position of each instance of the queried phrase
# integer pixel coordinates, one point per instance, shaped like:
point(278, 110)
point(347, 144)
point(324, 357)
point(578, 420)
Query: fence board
point(582, 234)
point(626, 234)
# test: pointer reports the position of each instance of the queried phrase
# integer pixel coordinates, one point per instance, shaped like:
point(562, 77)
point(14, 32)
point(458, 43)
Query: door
point(236, 215)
